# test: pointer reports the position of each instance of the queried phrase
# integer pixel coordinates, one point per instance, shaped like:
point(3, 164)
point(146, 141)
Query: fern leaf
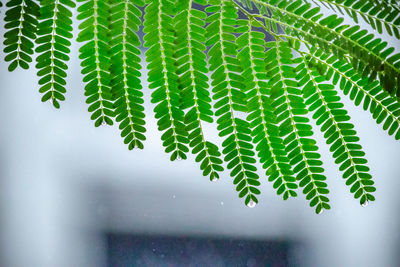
point(193, 79)
point(230, 98)
point(53, 34)
point(246, 3)
point(95, 59)
point(125, 70)
point(383, 107)
point(323, 101)
point(21, 26)
point(294, 128)
point(265, 132)
point(368, 54)
point(381, 16)
point(162, 77)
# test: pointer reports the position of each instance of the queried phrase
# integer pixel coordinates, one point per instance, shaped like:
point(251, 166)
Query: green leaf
point(21, 20)
point(126, 88)
point(95, 58)
point(53, 48)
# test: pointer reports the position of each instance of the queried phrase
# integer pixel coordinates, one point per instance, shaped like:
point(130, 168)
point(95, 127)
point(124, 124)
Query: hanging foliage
point(259, 69)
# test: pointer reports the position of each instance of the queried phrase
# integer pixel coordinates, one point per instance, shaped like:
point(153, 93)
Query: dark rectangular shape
point(126, 250)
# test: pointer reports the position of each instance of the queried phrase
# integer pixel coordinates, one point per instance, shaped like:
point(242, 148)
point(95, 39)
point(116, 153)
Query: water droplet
point(154, 250)
point(214, 179)
point(222, 203)
point(178, 158)
point(251, 204)
point(104, 123)
point(51, 101)
point(320, 211)
point(173, 196)
point(365, 203)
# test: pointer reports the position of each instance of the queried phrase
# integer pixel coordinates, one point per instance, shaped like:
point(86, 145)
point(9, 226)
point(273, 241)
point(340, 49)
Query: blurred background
point(73, 195)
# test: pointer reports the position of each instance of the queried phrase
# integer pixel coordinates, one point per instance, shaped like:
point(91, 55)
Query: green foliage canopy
point(260, 69)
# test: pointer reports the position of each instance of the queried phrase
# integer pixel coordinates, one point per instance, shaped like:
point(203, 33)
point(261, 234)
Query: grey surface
point(63, 182)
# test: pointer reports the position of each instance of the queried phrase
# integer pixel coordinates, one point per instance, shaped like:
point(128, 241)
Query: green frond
point(160, 39)
point(246, 3)
point(204, 56)
point(368, 54)
point(228, 92)
point(95, 59)
point(265, 131)
point(381, 16)
point(383, 107)
point(193, 80)
point(291, 112)
point(21, 25)
point(124, 49)
point(322, 100)
point(54, 32)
